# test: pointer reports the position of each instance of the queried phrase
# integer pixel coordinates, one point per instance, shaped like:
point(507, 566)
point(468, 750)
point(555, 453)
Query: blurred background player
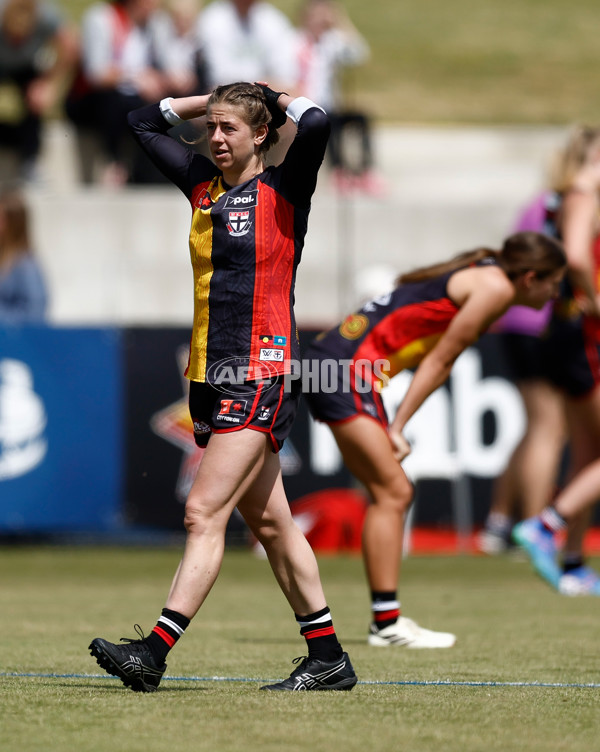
point(427, 321)
point(531, 475)
point(574, 366)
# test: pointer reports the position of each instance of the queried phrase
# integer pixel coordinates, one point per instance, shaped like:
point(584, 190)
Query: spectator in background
point(119, 72)
point(328, 43)
point(177, 48)
point(23, 296)
point(248, 40)
point(37, 54)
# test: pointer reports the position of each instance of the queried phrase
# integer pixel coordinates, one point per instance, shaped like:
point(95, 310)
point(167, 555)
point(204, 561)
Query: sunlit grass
point(513, 634)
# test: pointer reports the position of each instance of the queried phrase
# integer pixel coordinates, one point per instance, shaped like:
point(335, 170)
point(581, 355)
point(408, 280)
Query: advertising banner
point(60, 430)
point(95, 434)
point(461, 437)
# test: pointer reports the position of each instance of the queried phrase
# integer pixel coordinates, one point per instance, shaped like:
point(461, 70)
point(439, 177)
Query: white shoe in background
point(407, 633)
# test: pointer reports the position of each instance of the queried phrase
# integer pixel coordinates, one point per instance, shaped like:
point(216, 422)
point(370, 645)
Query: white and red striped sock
point(385, 607)
point(169, 628)
point(321, 639)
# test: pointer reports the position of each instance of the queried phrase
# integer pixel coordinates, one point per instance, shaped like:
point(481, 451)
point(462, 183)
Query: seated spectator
point(177, 48)
point(328, 43)
point(248, 40)
point(23, 296)
point(37, 52)
point(118, 73)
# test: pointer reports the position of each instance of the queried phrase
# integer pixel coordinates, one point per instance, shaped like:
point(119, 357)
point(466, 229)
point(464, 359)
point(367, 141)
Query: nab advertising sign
point(60, 430)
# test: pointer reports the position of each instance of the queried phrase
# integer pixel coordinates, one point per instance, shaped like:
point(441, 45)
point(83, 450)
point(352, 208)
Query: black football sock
point(320, 636)
point(169, 628)
point(385, 607)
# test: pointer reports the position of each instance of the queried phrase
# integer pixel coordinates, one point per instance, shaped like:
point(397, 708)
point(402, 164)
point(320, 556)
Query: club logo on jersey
point(243, 200)
point(271, 353)
point(264, 413)
point(239, 223)
point(232, 411)
point(353, 326)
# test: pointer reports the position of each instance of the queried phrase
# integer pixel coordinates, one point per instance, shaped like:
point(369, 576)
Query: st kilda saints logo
point(239, 223)
point(239, 219)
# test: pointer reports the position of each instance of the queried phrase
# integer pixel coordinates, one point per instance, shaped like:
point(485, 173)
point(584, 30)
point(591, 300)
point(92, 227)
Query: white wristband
point(169, 113)
point(297, 107)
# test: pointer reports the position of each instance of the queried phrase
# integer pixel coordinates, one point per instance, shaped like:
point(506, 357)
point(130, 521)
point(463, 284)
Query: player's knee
point(269, 531)
point(265, 532)
point(396, 496)
point(197, 519)
point(193, 522)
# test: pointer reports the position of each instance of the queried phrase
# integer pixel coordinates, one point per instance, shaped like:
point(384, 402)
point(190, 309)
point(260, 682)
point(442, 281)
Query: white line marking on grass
point(402, 683)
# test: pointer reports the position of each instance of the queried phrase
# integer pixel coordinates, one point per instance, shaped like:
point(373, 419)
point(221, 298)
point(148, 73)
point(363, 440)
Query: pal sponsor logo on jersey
point(243, 200)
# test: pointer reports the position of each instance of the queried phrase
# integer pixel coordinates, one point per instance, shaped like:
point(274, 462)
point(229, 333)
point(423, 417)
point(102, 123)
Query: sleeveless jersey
point(400, 327)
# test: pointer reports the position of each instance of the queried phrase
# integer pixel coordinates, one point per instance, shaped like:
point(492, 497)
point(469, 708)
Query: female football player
point(427, 321)
point(247, 232)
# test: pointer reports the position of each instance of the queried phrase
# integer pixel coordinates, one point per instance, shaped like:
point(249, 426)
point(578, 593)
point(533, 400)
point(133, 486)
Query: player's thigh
point(368, 454)
point(229, 467)
point(265, 503)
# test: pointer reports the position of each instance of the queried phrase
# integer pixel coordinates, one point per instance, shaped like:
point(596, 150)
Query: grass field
point(471, 61)
point(486, 693)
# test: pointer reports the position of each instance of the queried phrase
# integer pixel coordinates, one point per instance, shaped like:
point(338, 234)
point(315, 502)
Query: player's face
point(541, 290)
point(232, 142)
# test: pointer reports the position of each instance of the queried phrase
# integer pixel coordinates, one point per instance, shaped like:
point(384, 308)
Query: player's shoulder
point(482, 280)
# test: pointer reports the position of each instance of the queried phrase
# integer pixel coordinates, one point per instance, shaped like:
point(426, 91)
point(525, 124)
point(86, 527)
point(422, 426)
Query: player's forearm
point(430, 375)
point(188, 108)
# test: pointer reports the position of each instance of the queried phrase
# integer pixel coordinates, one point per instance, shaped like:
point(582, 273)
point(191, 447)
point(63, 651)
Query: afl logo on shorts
point(354, 326)
point(239, 223)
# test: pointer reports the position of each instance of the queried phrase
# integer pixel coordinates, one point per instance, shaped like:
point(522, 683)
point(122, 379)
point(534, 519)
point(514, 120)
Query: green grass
point(511, 628)
point(472, 61)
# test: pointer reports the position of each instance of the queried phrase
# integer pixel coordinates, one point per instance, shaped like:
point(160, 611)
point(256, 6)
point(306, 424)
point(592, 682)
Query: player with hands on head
point(425, 322)
point(247, 231)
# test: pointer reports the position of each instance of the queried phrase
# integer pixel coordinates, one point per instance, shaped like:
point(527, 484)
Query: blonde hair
point(582, 141)
point(520, 253)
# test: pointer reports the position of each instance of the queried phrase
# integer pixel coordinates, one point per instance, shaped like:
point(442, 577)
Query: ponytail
point(467, 258)
point(520, 253)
